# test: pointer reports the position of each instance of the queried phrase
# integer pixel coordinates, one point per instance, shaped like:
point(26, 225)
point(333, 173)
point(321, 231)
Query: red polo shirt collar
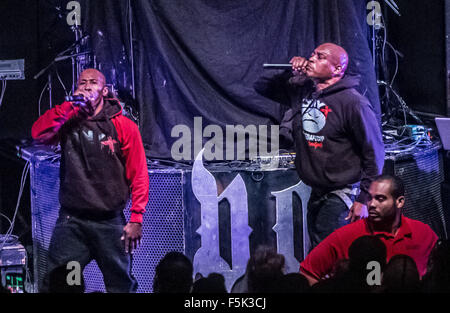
point(403, 231)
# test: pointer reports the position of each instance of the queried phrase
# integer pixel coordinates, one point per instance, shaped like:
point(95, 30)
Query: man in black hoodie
point(336, 134)
point(102, 162)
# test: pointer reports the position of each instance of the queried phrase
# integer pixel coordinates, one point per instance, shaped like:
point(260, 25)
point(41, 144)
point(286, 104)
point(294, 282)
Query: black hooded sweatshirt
point(93, 175)
point(337, 136)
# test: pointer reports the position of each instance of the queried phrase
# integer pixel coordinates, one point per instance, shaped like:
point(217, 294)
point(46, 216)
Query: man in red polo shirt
point(400, 234)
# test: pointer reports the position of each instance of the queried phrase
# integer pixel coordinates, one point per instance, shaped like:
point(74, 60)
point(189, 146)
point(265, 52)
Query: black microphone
point(76, 98)
point(277, 66)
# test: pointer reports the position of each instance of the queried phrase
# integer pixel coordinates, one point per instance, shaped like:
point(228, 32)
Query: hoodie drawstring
point(83, 152)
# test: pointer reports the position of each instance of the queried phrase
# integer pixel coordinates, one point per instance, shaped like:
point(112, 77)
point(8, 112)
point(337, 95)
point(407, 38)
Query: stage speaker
point(422, 174)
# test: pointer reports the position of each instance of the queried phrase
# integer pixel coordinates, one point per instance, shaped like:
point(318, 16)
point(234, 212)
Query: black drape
point(202, 57)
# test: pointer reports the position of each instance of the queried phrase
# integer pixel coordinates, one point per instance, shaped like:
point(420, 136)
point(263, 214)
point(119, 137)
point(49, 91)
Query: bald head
point(92, 72)
point(336, 54)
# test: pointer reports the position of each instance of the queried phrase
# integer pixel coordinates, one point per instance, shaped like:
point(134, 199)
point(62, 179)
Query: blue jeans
point(326, 213)
point(82, 239)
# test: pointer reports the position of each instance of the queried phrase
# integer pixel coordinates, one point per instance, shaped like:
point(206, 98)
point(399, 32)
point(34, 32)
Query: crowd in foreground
point(265, 274)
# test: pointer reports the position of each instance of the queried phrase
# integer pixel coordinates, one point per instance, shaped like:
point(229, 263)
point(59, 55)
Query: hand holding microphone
point(299, 64)
point(81, 100)
point(76, 99)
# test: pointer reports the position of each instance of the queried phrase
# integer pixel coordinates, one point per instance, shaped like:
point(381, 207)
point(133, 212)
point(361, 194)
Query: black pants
point(326, 213)
point(81, 239)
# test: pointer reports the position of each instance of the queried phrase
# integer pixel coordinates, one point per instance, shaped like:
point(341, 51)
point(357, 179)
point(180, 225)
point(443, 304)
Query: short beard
point(386, 222)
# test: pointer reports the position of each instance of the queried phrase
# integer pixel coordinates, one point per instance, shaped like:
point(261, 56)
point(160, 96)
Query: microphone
point(76, 98)
point(277, 66)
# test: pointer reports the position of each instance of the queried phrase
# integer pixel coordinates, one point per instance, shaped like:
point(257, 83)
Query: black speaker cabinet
point(422, 174)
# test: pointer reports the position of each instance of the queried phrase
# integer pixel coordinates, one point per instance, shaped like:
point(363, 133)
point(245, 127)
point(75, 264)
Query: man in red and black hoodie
point(102, 161)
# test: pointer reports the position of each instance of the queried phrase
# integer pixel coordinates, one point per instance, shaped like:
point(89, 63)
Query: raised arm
point(46, 128)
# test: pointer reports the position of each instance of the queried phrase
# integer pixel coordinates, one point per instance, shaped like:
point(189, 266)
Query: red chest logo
point(110, 144)
point(325, 110)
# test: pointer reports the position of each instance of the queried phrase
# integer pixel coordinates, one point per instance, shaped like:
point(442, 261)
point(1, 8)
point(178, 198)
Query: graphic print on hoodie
point(337, 138)
point(314, 118)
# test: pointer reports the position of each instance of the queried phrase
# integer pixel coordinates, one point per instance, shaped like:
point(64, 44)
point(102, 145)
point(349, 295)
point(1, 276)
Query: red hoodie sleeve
point(135, 165)
point(46, 128)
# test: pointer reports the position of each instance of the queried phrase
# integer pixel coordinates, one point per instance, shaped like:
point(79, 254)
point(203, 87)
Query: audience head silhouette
point(293, 283)
point(401, 275)
point(173, 274)
point(437, 278)
point(214, 283)
point(265, 269)
point(363, 250)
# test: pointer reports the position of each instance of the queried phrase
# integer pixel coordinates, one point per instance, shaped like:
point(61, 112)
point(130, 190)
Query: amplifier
point(13, 261)
point(13, 255)
point(12, 69)
point(422, 173)
point(13, 278)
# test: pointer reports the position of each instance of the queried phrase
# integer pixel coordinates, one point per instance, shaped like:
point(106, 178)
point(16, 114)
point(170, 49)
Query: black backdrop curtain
point(202, 57)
